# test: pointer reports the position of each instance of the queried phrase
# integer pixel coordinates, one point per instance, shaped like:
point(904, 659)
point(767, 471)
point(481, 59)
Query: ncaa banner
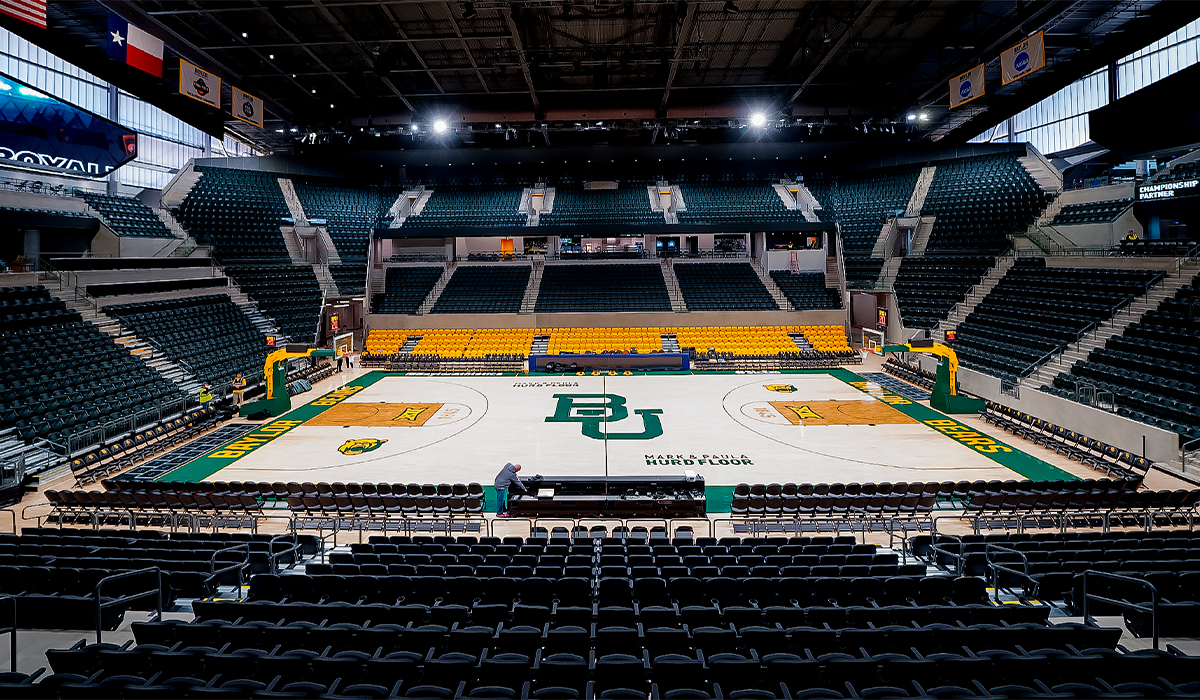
point(247, 107)
point(966, 87)
point(1023, 59)
point(199, 84)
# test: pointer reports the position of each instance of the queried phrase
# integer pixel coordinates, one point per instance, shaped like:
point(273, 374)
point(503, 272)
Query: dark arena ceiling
point(583, 72)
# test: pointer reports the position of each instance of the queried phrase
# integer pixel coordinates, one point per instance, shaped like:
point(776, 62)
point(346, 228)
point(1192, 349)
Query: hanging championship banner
point(966, 87)
point(248, 108)
point(199, 84)
point(1023, 59)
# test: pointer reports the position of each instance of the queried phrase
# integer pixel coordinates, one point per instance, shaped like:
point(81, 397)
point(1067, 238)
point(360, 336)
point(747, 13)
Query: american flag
point(31, 11)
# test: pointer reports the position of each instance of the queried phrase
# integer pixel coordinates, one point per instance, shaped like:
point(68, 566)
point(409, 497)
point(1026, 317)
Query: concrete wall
point(610, 320)
point(1104, 234)
point(1120, 190)
point(809, 259)
point(27, 200)
point(1160, 445)
point(145, 275)
point(106, 243)
point(138, 247)
point(1115, 263)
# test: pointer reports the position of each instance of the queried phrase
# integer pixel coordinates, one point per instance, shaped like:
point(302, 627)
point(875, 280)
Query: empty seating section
point(1035, 311)
point(1152, 369)
point(1177, 248)
point(739, 340)
point(1182, 171)
point(568, 341)
point(349, 278)
point(128, 216)
point(1050, 566)
point(1089, 451)
point(289, 294)
point(405, 288)
point(613, 617)
point(742, 340)
point(723, 286)
point(1091, 212)
point(715, 204)
point(484, 289)
point(350, 212)
point(979, 202)
point(602, 288)
point(862, 204)
point(53, 572)
point(928, 287)
point(209, 335)
point(807, 290)
point(475, 207)
point(629, 205)
point(60, 375)
point(238, 213)
point(862, 271)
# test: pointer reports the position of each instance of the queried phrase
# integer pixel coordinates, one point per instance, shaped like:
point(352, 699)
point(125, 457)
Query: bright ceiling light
point(924, 116)
point(912, 117)
point(757, 119)
point(440, 126)
point(294, 130)
point(244, 35)
point(415, 128)
point(271, 56)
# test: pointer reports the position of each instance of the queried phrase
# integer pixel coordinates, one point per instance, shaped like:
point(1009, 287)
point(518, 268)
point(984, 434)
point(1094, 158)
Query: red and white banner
point(134, 46)
point(31, 11)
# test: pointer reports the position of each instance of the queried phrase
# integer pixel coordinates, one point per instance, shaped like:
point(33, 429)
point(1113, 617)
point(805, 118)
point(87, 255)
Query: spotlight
point(757, 119)
point(468, 10)
point(331, 105)
point(294, 130)
point(440, 126)
point(498, 126)
point(924, 116)
point(271, 56)
point(314, 91)
point(279, 131)
point(912, 117)
point(415, 128)
point(731, 8)
point(244, 35)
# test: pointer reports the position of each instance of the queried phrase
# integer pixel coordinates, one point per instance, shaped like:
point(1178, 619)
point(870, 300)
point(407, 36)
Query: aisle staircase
point(529, 301)
point(920, 191)
point(328, 285)
point(960, 311)
point(1116, 326)
point(780, 298)
point(921, 236)
point(295, 208)
point(674, 293)
point(427, 305)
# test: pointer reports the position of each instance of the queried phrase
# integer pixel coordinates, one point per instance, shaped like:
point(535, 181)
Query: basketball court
point(728, 427)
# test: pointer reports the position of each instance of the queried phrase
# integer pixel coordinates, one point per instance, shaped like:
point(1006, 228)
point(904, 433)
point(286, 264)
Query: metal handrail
point(240, 567)
point(100, 605)
point(10, 629)
point(996, 567)
point(938, 549)
point(273, 557)
point(1154, 599)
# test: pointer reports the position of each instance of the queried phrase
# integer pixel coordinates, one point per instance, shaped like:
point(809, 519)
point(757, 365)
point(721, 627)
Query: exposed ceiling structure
point(657, 71)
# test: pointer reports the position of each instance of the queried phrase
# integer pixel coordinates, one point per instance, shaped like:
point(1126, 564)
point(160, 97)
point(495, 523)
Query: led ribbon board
point(43, 133)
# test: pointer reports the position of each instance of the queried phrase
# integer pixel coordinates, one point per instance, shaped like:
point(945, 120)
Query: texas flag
point(133, 46)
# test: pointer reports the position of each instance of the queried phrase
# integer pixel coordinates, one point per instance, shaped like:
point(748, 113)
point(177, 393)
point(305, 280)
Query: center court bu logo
point(593, 409)
point(1021, 62)
point(359, 446)
point(964, 89)
point(780, 388)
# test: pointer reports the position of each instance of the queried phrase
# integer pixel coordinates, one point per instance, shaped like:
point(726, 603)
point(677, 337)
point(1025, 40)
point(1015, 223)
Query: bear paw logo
point(359, 446)
point(780, 388)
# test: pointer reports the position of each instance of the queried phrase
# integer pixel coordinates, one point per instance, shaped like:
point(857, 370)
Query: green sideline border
point(719, 497)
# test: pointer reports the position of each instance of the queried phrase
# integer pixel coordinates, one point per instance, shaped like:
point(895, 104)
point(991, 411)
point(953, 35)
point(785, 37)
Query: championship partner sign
point(1023, 59)
point(966, 87)
point(247, 107)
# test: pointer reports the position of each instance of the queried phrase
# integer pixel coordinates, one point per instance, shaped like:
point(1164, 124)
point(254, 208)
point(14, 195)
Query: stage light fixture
point(912, 117)
point(440, 126)
point(294, 130)
point(924, 116)
point(271, 56)
point(758, 119)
